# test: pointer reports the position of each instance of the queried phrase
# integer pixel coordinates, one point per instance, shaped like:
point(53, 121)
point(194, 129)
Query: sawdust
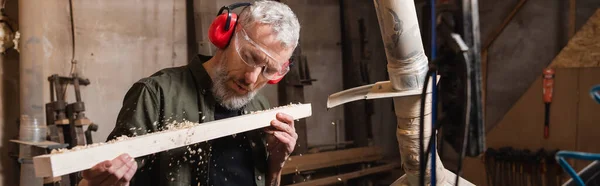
point(79, 147)
point(170, 126)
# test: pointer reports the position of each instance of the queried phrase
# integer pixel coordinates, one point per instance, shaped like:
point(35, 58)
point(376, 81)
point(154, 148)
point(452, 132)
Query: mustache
point(242, 82)
point(224, 75)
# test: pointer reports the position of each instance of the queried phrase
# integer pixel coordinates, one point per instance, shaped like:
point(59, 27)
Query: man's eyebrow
point(263, 59)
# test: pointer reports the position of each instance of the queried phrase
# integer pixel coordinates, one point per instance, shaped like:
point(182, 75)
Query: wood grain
point(572, 17)
point(52, 165)
point(583, 50)
point(589, 115)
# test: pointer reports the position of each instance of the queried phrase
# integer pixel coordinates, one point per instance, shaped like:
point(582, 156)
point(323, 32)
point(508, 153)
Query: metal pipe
point(407, 62)
point(37, 22)
point(407, 68)
point(31, 128)
point(32, 74)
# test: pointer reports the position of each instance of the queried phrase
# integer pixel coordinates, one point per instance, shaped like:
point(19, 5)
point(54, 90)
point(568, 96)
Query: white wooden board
point(53, 165)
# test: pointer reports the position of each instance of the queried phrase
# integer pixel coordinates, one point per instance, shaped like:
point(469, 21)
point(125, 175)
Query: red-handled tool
point(548, 90)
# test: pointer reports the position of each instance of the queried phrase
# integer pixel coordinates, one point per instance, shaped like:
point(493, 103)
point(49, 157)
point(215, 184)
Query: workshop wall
point(365, 62)
point(319, 39)
point(573, 121)
point(528, 44)
point(573, 113)
point(117, 43)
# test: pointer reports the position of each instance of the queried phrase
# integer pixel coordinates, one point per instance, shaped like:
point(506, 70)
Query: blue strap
point(561, 155)
point(595, 93)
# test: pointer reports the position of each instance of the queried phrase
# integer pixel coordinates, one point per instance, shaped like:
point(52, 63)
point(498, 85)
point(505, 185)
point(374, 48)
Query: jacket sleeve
point(139, 114)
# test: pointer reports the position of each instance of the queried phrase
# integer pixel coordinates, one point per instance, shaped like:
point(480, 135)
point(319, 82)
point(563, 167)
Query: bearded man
point(256, 52)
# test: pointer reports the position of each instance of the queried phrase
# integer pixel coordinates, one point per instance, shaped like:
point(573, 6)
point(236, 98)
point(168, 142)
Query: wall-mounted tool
point(548, 84)
point(522, 167)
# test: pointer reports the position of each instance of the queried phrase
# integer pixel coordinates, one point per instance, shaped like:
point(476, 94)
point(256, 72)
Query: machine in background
point(66, 120)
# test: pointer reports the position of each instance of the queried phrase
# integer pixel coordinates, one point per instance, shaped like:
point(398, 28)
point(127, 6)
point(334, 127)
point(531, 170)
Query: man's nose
point(252, 74)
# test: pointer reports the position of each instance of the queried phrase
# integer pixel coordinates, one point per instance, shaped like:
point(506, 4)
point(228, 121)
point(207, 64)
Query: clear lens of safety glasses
point(255, 56)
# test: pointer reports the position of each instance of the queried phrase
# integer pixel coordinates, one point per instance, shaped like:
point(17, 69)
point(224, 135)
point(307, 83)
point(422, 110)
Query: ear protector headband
point(221, 30)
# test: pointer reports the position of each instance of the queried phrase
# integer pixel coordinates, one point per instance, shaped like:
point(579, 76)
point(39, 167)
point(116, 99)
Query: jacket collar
point(203, 80)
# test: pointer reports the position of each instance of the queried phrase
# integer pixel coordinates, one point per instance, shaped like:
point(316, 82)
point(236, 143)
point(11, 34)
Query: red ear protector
point(222, 28)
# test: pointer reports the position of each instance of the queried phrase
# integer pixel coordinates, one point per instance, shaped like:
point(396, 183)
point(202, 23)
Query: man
point(208, 89)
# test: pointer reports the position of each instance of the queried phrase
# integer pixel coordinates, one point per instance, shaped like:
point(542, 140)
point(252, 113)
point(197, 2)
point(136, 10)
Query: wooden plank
point(331, 158)
point(52, 165)
point(572, 17)
point(347, 176)
point(589, 115)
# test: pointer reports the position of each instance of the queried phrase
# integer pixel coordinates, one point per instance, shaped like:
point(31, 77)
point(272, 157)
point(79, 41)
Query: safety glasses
point(273, 66)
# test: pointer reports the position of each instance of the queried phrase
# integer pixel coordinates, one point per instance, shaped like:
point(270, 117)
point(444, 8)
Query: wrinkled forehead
point(264, 36)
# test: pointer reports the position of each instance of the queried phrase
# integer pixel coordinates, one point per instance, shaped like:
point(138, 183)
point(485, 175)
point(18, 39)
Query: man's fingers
point(282, 126)
point(285, 119)
point(269, 130)
point(284, 137)
point(99, 170)
point(129, 174)
point(117, 173)
point(121, 160)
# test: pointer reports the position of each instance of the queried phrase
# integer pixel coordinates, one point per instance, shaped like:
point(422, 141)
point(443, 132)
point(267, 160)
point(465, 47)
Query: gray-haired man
point(212, 88)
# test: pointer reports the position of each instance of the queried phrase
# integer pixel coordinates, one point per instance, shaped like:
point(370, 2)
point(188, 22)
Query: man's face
point(253, 57)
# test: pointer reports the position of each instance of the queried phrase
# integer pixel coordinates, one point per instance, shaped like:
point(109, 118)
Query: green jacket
point(179, 94)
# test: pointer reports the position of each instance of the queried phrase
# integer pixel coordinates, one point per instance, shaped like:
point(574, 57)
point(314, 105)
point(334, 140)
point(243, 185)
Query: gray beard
point(223, 94)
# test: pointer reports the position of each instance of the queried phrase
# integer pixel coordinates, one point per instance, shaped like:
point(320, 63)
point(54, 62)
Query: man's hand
point(119, 171)
point(281, 141)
